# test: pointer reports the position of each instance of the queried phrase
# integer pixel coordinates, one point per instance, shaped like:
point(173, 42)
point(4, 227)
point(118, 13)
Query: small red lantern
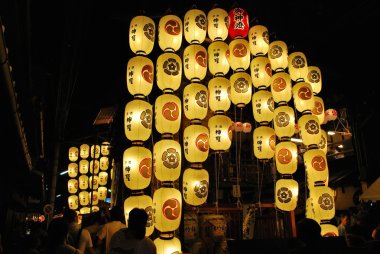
point(238, 23)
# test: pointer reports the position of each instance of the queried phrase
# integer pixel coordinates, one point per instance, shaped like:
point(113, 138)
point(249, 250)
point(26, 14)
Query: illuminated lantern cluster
point(88, 171)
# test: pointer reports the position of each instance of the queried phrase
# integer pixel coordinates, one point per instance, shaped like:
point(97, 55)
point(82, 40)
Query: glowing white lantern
point(240, 58)
point(95, 208)
point(72, 186)
point(314, 77)
point(167, 160)
point(84, 151)
point(297, 66)
point(310, 130)
point(331, 114)
point(195, 24)
point(195, 62)
point(85, 210)
point(95, 151)
point(217, 20)
point(195, 101)
point(278, 55)
point(83, 182)
point(218, 94)
point(241, 89)
point(73, 202)
point(322, 199)
point(144, 202)
point(316, 167)
point(261, 72)
point(140, 76)
point(72, 170)
point(264, 142)
point(218, 53)
point(286, 194)
point(195, 186)
point(102, 191)
point(303, 97)
point(284, 122)
point(167, 207)
point(263, 106)
point(170, 33)
point(258, 38)
point(93, 182)
point(168, 112)
point(137, 167)
point(105, 148)
point(73, 153)
point(103, 163)
point(309, 211)
point(281, 87)
point(84, 198)
point(138, 116)
point(319, 109)
point(142, 32)
point(103, 178)
point(328, 230)
point(94, 166)
point(169, 71)
point(166, 246)
point(286, 157)
point(220, 132)
point(323, 143)
point(83, 166)
point(94, 197)
point(196, 143)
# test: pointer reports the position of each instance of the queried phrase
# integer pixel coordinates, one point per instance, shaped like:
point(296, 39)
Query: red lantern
point(238, 23)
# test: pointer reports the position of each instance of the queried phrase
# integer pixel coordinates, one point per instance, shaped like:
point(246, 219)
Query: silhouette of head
point(137, 220)
point(308, 230)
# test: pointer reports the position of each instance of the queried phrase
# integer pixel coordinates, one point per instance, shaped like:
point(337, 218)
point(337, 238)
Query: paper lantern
point(284, 122)
point(105, 148)
point(196, 143)
point(95, 151)
point(73, 202)
point(258, 38)
point(93, 182)
point(323, 143)
point(238, 126)
point(140, 76)
point(95, 208)
point(85, 210)
point(195, 24)
point(309, 211)
point(281, 87)
point(261, 72)
point(278, 55)
point(240, 57)
point(263, 106)
point(168, 112)
point(170, 33)
point(84, 151)
point(102, 191)
point(316, 167)
point(322, 200)
point(103, 178)
point(72, 170)
point(167, 207)
point(83, 166)
point(319, 109)
point(169, 71)
point(218, 53)
point(137, 167)
point(286, 194)
point(217, 24)
point(238, 23)
point(167, 160)
point(195, 101)
point(286, 153)
point(331, 114)
point(103, 163)
point(218, 94)
point(72, 186)
point(247, 127)
point(195, 62)
point(310, 130)
point(303, 97)
point(83, 182)
point(195, 186)
point(328, 230)
point(297, 66)
point(73, 153)
point(94, 197)
point(314, 77)
point(166, 246)
point(94, 166)
point(220, 132)
point(264, 142)
point(138, 116)
point(142, 32)
point(241, 89)
point(144, 202)
point(84, 198)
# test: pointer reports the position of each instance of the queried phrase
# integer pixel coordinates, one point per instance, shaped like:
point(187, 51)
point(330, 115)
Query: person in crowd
point(116, 222)
point(344, 222)
point(132, 239)
point(309, 236)
point(93, 223)
point(71, 217)
point(58, 231)
point(85, 243)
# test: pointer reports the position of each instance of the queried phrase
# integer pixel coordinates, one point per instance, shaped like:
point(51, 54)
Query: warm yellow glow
point(258, 37)
point(167, 157)
point(137, 167)
point(167, 207)
point(84, 151)
point(217, 21)
point(140, 201)
point(195, 26)
point(73, 153)
point(142, 31)
point(261, 72)
point(195, 101)
point(170, 32)
point(195, 62)
point(240, 57)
